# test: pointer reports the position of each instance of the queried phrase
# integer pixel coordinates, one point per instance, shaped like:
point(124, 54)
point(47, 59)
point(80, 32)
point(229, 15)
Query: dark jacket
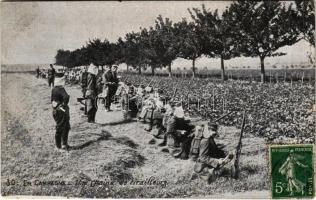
point(208, 148)
point(109, 77)
point(84, 79)
point(91, 85)
point(60, 95)
point(51, 73)
point(116, 80)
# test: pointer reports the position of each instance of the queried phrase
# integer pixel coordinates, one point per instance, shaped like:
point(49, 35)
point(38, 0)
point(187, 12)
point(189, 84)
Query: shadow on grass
point(105, 135)
point(118, 122)
point(125, 141)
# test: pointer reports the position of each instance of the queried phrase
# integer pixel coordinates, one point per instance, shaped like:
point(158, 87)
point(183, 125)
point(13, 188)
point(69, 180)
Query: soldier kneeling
point(209, 158)
point(177, 133)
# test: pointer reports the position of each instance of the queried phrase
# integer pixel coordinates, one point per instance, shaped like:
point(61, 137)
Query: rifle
point(154, 83)
point(222, 117)
point(150, 82)
point(125, 79)
point(157, 83)
point(175, 91)
point(235, 167)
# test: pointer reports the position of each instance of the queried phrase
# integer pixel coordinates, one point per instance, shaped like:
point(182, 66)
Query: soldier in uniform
point(37, 72)
point(51, 76)
point(116, 80)
point(110, 84)
point(91, 93)
point(177, 131)
point(83, 82)
point(60, 100)
point(153, 111)
point(210, 157)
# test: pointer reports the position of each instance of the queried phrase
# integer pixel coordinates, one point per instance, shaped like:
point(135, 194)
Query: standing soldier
point(109, 85)
point(83, 82)
point(91, 93)
point(37, 72)
point(60, 100)
point(51, 76)
point(116, 80)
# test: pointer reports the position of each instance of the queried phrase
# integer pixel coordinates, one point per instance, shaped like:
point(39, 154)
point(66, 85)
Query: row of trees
point(245, 28)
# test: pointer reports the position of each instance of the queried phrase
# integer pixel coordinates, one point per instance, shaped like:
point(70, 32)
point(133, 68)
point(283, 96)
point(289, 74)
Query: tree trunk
point(223, 69)
point(152, 70)
point(263, 75)
point(127, 68)
point(169, 70)
point(193, 68)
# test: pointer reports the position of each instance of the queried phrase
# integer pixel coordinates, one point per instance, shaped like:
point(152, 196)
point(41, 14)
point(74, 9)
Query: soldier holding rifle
point(210, 156)
point(110, 81)
point(205, 151)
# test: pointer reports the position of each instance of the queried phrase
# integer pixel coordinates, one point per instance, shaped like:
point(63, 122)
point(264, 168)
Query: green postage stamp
point(292, 171)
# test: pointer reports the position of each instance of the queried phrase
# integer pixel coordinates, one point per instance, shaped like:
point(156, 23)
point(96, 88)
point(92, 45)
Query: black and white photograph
point(157, 99)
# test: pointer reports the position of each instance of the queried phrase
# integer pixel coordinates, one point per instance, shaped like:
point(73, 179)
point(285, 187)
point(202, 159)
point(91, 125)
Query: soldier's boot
point(160, 132)
point(213, 174)
point(59, 150)
point(164, 142)
point(205, 175)
point(175, 152)
point(194, 176)
point(65, 147)
point(199, 167)
point(149, 128)
point(182, 154)
point(152, 141)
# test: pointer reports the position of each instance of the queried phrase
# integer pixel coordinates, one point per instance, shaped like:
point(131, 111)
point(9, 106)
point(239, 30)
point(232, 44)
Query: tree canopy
point(245, 28)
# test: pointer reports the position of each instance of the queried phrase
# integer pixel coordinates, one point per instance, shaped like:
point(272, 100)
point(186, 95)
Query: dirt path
point(109, 151)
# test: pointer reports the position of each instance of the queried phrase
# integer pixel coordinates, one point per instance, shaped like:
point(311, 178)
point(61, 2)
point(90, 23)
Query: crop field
point(273, 74)
point(276, 111)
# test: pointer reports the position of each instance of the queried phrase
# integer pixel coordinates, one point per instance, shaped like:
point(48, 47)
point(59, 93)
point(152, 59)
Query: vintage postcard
point(158, 99)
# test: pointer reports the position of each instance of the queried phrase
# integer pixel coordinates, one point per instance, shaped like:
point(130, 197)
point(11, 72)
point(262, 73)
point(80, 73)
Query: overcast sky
point(32, 32)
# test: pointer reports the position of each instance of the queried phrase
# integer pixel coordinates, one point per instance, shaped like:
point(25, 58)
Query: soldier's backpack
point(195, 145)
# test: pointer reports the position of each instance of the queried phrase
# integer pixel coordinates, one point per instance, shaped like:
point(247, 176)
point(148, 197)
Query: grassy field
point(111, 158)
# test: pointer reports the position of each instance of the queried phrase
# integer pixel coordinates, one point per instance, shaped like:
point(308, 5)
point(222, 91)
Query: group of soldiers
point(95, 83)
point(181, 138)
point(41, 73)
